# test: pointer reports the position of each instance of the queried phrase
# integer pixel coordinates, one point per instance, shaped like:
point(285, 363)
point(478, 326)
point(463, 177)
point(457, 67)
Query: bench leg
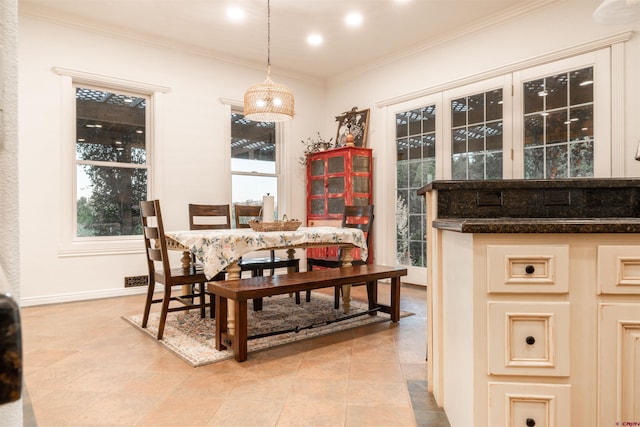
point(395, 299)
point(240, 339)
point(221, 321)
point(372, 295)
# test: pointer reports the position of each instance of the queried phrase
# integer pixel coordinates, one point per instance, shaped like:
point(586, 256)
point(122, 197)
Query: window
point(111, 158)
point(558, 125)
point(476, 136)
point(415, 167)
point(545, 121)
point(254, 166)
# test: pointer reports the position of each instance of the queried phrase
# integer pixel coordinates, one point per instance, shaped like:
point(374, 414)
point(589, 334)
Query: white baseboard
point(82, 296)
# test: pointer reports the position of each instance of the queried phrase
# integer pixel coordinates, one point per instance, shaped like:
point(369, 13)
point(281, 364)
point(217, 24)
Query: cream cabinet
point(536, 329)
point(618, 283)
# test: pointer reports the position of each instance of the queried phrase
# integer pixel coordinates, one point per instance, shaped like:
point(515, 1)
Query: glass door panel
point(558, 125)
point(415, 167)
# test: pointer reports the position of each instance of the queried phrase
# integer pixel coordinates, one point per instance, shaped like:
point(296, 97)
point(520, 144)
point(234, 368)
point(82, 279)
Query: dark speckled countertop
point(588, 205)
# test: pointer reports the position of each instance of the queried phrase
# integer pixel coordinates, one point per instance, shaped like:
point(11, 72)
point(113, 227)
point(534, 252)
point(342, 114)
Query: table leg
point(346, 289)
point(233, 270)
point(291, 254)
point(185, 261)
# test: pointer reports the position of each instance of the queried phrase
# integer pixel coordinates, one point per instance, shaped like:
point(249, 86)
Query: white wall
point(190, 165)
point(10, 413)
point(559, 26)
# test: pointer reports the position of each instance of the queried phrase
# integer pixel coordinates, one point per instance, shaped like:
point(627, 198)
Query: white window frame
point(601, 62)
point(70, 244)
point(500, 82)
point(230, 106)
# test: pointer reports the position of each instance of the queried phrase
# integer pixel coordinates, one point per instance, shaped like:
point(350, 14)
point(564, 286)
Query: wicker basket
point(274, 226)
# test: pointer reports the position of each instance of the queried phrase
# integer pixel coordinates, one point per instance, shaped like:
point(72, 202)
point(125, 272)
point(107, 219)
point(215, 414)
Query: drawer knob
point(530, 269)
point(530, 340)
point(530, 422)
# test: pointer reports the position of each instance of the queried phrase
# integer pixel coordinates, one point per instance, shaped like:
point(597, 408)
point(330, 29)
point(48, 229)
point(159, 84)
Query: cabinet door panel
point(619, 363)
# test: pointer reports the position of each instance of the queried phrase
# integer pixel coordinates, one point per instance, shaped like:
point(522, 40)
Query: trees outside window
point(111, 161)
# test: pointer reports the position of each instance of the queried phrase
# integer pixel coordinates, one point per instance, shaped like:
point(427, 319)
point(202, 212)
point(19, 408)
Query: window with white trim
point(111, 161)
point(254, 160)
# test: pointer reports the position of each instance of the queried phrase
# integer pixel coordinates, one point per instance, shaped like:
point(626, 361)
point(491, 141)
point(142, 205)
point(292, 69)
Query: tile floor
point(85, 366)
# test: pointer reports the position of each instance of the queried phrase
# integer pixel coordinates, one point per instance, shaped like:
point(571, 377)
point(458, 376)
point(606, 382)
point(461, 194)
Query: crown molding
point(506, 15)
point(531, 62)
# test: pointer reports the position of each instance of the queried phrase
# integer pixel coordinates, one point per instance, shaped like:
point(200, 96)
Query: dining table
point(221, 249)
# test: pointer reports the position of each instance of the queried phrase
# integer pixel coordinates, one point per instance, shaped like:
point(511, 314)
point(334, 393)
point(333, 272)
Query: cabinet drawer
point(528, 269)
point(528, 338)
point(537, 405)
point(618, 269)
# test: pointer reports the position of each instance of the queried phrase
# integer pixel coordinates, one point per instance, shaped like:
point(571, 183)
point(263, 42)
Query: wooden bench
point(242, 290)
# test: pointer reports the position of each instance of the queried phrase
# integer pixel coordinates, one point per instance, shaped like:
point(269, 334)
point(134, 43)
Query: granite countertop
point(585, 205)
point(539, 225)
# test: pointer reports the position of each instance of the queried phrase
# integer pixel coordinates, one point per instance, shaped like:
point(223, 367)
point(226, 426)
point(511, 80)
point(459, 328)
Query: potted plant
point(314, 145)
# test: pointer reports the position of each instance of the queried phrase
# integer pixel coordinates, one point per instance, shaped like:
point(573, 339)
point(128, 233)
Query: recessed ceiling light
point(353, 19)
point(314, 39)
point(235, 13)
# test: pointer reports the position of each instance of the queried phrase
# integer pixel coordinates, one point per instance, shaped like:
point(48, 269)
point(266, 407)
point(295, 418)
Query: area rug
point(193, 339)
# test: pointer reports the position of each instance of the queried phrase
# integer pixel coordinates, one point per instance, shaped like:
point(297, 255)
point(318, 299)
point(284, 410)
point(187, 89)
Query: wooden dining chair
point(257, 266)
point(209, 217)
point(360, 217)
point(244, 214)
point(160, 271)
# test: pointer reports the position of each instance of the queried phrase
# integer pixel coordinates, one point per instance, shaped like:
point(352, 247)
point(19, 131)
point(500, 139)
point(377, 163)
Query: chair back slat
point(155, 254)
point(151, 232)
point(213, 217)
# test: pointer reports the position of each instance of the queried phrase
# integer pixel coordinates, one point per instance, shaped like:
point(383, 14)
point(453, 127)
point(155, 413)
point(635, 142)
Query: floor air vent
point(132, 281)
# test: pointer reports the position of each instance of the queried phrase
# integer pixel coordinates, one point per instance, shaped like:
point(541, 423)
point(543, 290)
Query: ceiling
point(390, 29)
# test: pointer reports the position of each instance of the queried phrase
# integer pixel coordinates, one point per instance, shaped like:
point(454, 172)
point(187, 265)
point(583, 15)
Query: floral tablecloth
point(217, 249)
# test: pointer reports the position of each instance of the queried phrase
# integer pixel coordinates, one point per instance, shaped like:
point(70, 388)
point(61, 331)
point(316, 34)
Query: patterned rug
point(193, 339)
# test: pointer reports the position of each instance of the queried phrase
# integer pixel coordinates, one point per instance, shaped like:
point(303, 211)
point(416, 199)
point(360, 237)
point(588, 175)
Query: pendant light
point(617, 12)
point(268, 101)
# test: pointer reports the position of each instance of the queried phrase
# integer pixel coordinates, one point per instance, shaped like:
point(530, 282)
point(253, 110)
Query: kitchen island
point(534, 301)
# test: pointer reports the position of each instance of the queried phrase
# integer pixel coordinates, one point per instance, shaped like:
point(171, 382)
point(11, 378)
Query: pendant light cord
point(269, 39)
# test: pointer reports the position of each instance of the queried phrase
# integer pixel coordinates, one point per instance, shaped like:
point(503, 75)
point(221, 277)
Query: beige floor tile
point(380, 416)
point(184, 411)
point(246, 413)
point(364, 393)
point(122, 377)
point(272, 389)
point(318, 390)
point(313, 413)
point(375, 372)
